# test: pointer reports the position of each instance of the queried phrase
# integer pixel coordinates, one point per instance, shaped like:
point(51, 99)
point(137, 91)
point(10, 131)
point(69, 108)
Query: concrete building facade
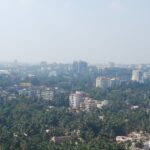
point(137, 76)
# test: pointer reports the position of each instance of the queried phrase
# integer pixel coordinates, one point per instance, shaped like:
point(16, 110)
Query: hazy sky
point(65, 30)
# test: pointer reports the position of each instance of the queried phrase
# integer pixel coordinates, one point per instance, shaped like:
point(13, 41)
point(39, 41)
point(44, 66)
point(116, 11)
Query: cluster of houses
point(28, 91)
point(82, 101)
point(135, 137)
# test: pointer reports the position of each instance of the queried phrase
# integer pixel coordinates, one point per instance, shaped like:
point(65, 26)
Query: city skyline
point(64, 31)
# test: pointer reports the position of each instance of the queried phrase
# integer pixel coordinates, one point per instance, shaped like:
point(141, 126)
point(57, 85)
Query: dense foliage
point(24, 121)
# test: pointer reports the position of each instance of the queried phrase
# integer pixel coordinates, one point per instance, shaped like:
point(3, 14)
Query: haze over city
point(64, 30)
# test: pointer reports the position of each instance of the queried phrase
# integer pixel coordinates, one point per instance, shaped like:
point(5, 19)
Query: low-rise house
point(135, 107)
point(60, 139)
point(123, 139)
point(101, 104)
point(47, 130)
point(138, 136)
point(25, 84)
point(101, 117)
point(135, 137)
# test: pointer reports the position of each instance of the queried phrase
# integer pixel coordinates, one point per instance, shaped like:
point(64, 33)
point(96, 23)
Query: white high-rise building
point(137, 76)
point(75, 99)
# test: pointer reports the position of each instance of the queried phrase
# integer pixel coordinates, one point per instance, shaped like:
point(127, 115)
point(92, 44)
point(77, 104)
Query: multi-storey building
point(47, 94)
point(137, 76)
point(114, 82)
point(146, 75)
point(79, 66)
point(75, 99)
point(103, 82)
